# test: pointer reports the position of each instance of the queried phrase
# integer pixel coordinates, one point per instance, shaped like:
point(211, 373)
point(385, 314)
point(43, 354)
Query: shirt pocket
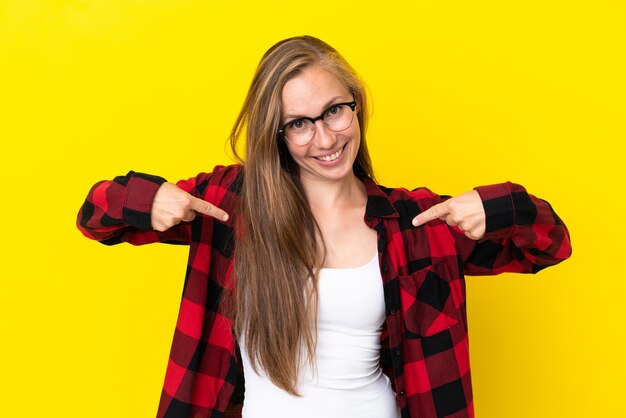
point(427, 303)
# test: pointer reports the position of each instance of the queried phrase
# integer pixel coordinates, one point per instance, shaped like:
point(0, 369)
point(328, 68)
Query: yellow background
point(465, 93)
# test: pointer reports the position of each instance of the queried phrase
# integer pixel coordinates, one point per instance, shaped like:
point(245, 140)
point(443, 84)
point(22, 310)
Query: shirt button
point(385, 269)
point(401, 393)
point(397, 352)
point(392, 312)
point(369, 218)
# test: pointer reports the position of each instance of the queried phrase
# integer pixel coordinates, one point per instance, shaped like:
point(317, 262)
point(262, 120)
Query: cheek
point(356, 133)
point(294, 151)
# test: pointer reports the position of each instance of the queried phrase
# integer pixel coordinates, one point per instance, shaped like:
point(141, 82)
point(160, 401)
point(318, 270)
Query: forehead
point(311, 91)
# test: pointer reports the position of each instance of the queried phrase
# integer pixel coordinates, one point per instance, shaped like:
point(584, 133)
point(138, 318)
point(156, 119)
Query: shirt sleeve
point(119, 210)
point(523, 234)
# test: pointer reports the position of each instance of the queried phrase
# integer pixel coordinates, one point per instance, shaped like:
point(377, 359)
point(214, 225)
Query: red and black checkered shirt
point(424, 340)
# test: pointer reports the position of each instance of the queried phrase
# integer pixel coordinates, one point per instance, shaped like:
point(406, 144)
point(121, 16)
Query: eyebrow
point(326, 106)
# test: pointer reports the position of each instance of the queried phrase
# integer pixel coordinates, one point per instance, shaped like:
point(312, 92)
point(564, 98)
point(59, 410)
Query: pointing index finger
point(207, 208)
point(434, 212)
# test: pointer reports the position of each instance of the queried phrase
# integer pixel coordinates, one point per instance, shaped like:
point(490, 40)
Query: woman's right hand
point(172, 205)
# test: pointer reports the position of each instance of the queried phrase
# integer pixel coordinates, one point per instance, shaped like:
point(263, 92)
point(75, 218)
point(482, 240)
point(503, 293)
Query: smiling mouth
point(331, 157)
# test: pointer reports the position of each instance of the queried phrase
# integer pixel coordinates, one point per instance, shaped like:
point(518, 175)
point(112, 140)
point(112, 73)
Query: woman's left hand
point(464, 211)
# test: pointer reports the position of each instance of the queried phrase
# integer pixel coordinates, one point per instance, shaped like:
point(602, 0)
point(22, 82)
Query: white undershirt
point(348, 381)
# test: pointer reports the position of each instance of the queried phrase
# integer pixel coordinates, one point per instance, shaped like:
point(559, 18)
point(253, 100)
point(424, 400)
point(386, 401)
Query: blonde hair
point(277, 251)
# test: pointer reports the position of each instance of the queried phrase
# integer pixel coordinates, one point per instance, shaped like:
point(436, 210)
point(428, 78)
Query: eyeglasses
point(337, 117)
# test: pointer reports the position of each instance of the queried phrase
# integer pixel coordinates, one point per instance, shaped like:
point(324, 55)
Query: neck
point(336, 194)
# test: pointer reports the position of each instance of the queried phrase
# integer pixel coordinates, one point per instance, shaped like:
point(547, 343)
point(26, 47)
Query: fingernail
point(225, 217)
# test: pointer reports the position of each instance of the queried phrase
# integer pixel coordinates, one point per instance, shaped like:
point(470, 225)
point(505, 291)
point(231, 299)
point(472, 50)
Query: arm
point(501, 228)
point(140, 209)
point(523, 234)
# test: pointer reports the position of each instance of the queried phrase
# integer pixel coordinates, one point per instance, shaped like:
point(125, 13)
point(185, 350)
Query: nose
point(324, 138)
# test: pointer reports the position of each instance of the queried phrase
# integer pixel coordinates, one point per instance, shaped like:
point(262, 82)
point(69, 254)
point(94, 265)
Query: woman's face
point(329, 155)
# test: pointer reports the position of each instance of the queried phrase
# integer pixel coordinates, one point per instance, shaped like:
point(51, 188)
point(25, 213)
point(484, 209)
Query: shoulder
point(227, 177)
point(221, 179)
point(402, 198)
point(221, 174)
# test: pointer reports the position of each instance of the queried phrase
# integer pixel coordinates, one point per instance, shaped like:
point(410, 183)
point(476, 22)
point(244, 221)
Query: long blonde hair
point(277, 253)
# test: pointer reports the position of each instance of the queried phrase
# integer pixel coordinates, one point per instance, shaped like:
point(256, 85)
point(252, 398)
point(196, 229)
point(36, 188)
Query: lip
point(333, 162)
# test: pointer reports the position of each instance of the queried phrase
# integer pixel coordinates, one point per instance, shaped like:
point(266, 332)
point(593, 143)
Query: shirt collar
point(378, 202)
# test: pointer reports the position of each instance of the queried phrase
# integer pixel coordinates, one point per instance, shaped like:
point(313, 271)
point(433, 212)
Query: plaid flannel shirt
point(424, 340)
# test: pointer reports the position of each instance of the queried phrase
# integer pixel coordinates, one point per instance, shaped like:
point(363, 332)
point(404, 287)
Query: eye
point(333, 110)
point(297, 124)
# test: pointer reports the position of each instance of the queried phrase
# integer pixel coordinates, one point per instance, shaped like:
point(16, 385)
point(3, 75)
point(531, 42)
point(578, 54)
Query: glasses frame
point(351, 105)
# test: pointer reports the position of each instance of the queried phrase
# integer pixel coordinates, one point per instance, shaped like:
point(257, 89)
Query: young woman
point(332, 296)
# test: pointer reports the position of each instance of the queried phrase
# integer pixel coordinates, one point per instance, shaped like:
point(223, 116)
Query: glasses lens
point(339, 117)
point(336, 118)
point(300, 131)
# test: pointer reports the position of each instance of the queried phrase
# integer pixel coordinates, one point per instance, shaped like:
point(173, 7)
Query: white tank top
point(348, 381)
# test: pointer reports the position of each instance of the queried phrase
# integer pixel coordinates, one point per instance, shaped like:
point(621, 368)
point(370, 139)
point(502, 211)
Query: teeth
point(331, 157)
